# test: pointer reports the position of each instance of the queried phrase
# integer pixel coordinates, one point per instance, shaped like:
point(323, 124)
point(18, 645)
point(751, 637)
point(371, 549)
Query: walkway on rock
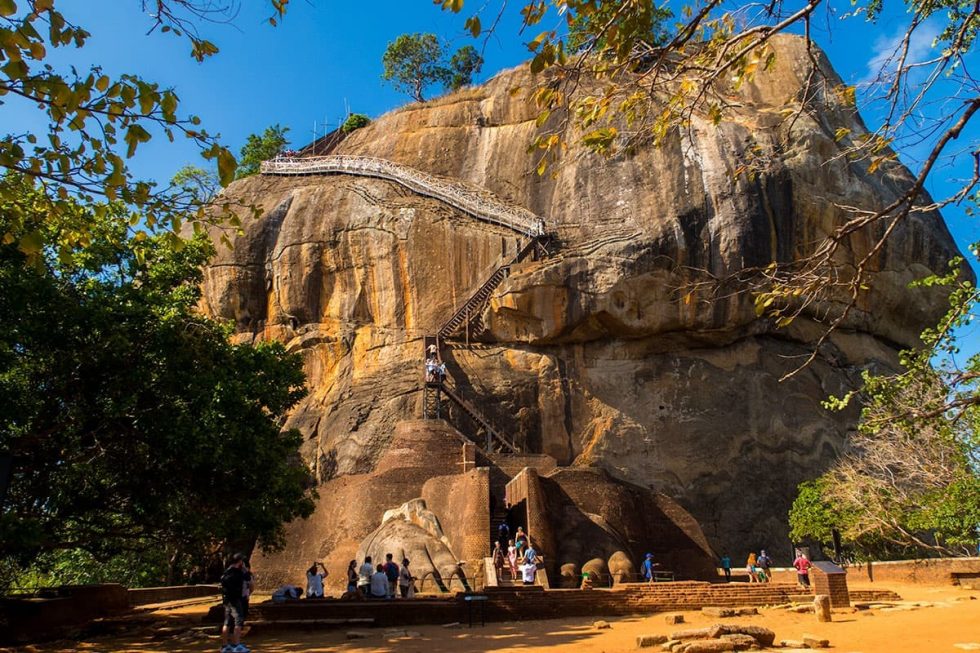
point(480, 204)
point(477, 203)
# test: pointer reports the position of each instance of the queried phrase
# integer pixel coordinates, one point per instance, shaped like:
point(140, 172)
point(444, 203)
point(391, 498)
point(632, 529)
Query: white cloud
point(886, 52)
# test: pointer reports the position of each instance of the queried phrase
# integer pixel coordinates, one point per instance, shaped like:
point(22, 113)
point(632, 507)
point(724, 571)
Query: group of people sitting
point(520, 557)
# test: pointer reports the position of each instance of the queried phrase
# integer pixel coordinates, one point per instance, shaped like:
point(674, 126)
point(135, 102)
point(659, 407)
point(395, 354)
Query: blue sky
point(325, 58)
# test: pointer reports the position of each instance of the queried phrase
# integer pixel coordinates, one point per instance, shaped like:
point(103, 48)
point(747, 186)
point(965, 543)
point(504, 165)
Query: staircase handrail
point(482, 205)
point(453, 394)
point(502, 263)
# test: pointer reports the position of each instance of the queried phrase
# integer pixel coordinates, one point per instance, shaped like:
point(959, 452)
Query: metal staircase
point(475, 202)
point(469, 316)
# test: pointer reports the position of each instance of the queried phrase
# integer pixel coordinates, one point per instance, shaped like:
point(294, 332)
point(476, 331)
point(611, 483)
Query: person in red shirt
point(802, 565)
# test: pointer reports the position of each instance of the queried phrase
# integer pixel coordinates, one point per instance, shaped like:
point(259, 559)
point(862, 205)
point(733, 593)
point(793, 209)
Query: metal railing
point(480, 204)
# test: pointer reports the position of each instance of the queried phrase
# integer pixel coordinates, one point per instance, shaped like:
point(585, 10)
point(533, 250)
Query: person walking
point(232, 588)
point(726, 567)
point(512, 559)
point(521, 541)
point(503, 534)
point(750, 567)
point(498, 560)
point(391, 571)
point(802, 564)
point(647, 567)
point(765, 563)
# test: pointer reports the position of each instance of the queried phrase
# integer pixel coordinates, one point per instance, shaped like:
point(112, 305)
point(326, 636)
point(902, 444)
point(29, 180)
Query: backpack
point(230, 587)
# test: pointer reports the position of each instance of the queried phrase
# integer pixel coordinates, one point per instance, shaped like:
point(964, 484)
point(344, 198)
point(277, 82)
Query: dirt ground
point(949, 617)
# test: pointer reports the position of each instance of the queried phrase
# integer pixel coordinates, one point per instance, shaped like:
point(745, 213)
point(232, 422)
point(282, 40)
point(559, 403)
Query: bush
point(355, 121)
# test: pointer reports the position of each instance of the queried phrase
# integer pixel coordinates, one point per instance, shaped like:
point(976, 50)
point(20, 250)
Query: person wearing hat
point(647, 567)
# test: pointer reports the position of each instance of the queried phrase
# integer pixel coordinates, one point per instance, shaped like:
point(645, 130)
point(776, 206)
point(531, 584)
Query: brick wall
point(941, 571)
point(831, 580)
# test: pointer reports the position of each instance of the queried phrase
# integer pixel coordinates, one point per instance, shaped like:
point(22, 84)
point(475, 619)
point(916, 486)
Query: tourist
point(726, 567)
point(352, 576)
point(503, 533)
point(431, 369)
point(232, 587)
point(647, 567)
point(530, 568)
point(750, 567)
point(378, 588)
point(314, 581)
point(498, 559)
point(764, 562)
point(512, 559)
point(802, 564)
point(521, 540)
point(364, 576)
point(406, 582)
point(433, 351)
point(441, 372)
point(391, 571)
point(248, 586)
point(286, 593)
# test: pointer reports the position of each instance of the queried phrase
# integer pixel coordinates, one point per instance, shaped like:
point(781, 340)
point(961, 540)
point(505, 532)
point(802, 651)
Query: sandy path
point(954, 619)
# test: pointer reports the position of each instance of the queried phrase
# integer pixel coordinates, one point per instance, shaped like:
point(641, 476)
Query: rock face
point(591, 355)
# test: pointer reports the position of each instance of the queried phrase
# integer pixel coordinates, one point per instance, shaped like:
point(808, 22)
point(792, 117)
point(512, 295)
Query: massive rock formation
point(591, 355)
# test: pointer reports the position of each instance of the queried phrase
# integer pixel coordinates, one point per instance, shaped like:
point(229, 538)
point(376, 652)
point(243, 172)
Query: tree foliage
point(909, 480)
point(97, 122)
point(135, 425)
point(414, 62)
point(587, 30)
point(259, 148)
point(354, 122)
point(201, 184)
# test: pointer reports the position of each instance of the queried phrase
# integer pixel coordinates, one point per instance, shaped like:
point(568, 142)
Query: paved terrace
point(531, 603)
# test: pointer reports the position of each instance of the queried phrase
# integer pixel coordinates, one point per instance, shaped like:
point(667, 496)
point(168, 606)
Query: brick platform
point(529, 603)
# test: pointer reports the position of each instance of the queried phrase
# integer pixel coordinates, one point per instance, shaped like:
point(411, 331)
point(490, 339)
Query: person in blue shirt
point(726, 566)
point(647, 567)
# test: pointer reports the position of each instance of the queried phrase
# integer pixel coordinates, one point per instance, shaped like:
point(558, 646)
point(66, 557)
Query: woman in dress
point(512, 559)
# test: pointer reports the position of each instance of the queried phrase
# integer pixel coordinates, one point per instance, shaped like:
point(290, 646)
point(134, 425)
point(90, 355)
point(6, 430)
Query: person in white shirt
point(530, 568)
point(405, 581)
point(364, 575)
point(379, 584)
point(314, 581)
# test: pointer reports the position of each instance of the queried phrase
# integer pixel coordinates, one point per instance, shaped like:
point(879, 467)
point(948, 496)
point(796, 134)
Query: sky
point(324, 59)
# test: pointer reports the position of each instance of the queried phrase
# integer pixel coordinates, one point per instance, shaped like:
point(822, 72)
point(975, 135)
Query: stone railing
point(479, 204)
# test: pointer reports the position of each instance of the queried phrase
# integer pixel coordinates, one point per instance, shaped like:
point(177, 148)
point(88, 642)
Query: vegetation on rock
point(354, 122)
point(259, 148)
point(414, 62)
point(136, 427)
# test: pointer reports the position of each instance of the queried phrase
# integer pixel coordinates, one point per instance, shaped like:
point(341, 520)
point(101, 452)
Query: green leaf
point(227, 165)
point(7, 8)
